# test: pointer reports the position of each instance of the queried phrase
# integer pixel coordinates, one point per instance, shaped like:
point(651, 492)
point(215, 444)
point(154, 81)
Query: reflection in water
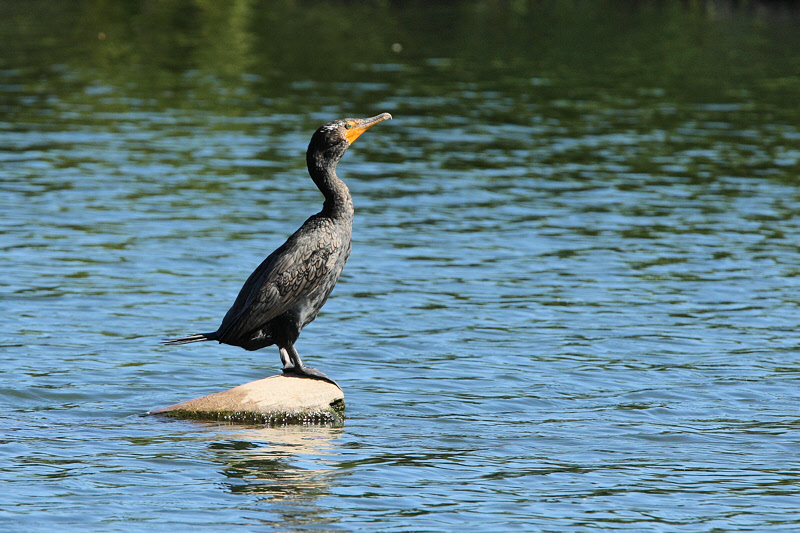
point(281, 464)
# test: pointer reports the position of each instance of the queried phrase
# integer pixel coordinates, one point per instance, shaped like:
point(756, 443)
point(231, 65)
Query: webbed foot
point(308, 372)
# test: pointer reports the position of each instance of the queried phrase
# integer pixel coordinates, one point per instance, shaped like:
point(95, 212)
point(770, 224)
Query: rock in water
point(273, 400)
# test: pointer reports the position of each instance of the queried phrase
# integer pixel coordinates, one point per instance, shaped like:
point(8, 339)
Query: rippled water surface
point(572, 302)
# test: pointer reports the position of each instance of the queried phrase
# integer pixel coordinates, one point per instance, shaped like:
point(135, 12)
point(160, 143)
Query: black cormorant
point(290, 286)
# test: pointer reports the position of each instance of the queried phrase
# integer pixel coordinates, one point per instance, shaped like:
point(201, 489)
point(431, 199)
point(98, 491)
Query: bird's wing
point(276, 286)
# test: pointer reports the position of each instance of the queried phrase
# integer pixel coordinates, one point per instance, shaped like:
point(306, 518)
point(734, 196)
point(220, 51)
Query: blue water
point(572, 301)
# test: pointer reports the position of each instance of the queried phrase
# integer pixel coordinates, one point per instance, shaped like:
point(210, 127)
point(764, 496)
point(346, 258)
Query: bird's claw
point(308, 372)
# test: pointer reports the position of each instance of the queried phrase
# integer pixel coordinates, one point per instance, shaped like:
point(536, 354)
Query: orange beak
point(360, 125)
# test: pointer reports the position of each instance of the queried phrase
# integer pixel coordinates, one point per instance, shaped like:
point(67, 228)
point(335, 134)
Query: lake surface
point(572, 302)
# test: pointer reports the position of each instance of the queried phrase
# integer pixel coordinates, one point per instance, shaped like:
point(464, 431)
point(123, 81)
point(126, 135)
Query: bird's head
point(331, 140)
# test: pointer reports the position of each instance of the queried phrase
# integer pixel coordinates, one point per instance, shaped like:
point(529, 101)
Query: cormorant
point(289, 287)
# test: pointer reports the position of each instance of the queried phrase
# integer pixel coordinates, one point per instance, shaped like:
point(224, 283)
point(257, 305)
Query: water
point(572, 302)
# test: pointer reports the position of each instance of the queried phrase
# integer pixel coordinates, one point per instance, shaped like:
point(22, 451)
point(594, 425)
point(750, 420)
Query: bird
point(288, 289)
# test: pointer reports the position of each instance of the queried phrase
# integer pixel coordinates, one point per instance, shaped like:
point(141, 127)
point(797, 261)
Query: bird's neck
point(338, 203)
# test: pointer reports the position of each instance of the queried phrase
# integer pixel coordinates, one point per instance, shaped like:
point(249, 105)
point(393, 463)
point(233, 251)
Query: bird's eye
point(348, 125)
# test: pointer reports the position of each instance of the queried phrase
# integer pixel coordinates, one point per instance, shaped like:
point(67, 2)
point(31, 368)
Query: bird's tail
point(197, 337)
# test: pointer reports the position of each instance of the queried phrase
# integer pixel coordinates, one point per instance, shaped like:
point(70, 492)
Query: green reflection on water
point(699, 50)
point(672, 77)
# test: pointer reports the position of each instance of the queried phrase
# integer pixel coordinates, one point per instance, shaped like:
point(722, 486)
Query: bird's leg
point(295, 357)
point(298, 368)
point(288, 364)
